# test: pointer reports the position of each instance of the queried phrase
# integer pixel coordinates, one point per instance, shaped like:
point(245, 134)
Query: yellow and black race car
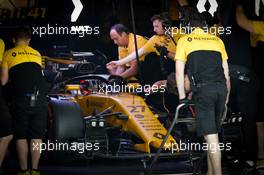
point(91, 110)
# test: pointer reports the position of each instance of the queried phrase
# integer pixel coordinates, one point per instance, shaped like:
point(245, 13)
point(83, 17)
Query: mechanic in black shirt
point(22, 66)
point(256, 30)
point(206, 65)
point(5, 119)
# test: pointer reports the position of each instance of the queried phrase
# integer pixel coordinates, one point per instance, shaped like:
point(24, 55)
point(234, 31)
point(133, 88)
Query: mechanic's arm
point(127, 59)
point(180, 65)
point(131, 71)
point(228, 84)
point(4, 75)
point(243, 21)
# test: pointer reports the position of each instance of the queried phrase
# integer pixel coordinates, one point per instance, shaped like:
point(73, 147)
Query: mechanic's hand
point(190, 95)
point(159, 84)
point(111, 65)
point(156, 86)
point(162, 50)
point(185, 101)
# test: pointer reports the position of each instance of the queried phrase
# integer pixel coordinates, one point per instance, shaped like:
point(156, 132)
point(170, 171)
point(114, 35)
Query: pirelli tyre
point(66, 121)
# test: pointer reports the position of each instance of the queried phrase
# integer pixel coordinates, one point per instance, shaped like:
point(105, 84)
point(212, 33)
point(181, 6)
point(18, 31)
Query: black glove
point(185, 101)
point(162, 50)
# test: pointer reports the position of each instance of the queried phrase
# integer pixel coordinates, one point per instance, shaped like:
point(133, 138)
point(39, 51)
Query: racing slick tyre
point(66, 120)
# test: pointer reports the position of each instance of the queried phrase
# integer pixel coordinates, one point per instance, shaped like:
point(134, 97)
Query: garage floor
point(122, 167)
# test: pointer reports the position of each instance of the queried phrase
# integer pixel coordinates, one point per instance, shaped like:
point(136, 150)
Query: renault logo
point(201, 6)
point(78, 7)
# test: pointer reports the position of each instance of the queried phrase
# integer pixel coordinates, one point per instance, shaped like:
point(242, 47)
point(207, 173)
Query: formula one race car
point(90, 115)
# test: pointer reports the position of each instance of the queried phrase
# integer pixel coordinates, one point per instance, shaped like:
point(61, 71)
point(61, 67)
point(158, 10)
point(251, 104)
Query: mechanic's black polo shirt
point(25, 70)
point(203, 54)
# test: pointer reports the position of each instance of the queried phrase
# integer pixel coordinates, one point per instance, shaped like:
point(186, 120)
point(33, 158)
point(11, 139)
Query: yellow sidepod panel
point(141, 122)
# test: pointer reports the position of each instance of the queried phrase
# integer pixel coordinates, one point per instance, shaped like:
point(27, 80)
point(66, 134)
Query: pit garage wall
point(96, 13)
point(101, 14)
